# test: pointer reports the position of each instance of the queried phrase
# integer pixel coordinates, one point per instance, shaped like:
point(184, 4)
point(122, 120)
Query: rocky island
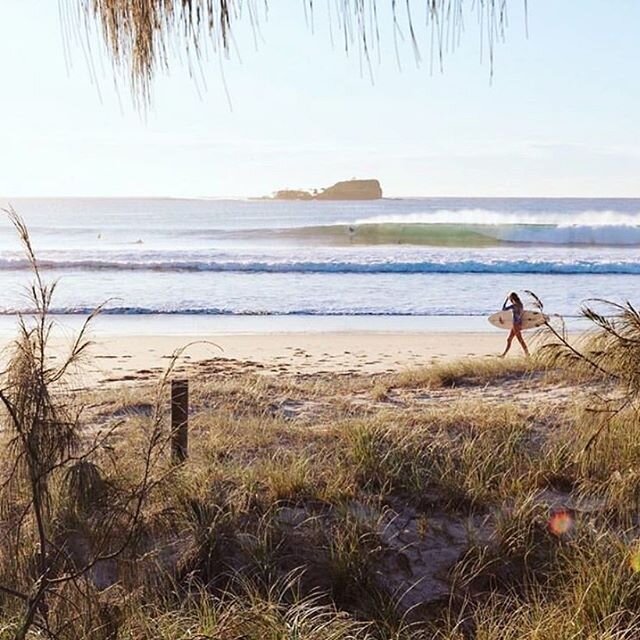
point(345, 190)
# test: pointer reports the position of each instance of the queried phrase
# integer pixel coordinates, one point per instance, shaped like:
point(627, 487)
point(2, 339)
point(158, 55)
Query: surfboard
point(530, 319)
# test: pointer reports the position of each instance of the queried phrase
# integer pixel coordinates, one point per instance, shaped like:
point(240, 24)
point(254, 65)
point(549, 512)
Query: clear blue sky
point(561, 116)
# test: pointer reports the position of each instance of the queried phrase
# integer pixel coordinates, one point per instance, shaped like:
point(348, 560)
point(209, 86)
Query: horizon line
point(270, 198)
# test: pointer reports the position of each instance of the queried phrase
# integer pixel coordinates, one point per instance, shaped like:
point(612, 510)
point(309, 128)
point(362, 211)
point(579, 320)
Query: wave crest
point(338, 267)
point(471, 235)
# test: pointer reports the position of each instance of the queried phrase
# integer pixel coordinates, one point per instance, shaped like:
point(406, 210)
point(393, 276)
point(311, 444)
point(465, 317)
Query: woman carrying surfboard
point(517, 308)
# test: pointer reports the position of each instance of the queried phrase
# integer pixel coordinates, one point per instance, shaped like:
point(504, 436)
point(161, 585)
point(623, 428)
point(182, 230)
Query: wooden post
point(179, 421)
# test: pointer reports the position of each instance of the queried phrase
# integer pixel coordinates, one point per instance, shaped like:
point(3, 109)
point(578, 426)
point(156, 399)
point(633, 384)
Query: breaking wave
point(335, 266)
point(468, 235)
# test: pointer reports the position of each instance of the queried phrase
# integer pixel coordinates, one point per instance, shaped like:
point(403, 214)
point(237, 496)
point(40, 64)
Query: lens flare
point(560, 522)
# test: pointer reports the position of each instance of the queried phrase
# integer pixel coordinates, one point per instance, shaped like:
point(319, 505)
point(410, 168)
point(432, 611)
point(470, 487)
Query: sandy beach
point(134, 357)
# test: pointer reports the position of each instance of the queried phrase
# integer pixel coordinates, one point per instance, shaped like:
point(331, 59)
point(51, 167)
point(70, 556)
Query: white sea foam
point(368, 264)
point(597, 235)
point(586, 218)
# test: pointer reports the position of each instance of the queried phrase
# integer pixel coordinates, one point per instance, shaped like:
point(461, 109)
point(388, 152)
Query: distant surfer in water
point(517, 308)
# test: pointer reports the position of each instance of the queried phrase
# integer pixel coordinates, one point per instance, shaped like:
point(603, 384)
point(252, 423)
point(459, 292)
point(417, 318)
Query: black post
point(179, 421)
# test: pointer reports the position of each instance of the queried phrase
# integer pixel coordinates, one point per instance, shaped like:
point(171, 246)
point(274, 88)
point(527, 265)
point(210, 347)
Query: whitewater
point(419, 257)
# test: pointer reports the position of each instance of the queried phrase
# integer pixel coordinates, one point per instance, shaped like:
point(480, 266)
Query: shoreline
point(112, 325)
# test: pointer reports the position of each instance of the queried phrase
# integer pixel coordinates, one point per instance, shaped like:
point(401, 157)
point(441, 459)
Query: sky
point(559, 116)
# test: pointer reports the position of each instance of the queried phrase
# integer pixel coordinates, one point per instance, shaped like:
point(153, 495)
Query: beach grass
point(316, 507)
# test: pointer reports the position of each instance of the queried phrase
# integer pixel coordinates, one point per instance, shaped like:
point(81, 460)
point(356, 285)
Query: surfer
point(517, 308)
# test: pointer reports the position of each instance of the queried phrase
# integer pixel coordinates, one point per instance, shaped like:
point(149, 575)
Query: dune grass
point(281, 525)
point(466, 371)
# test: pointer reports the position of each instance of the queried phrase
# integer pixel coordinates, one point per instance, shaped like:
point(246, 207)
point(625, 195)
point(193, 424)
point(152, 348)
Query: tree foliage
point(142, 35)
point(608, 351)
point(61, 519)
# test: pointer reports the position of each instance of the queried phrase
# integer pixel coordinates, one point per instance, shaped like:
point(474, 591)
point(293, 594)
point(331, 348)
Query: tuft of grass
point(288, 476)
point(463, 456)
point(590, 590)
point(249, 611)
point(466, 371)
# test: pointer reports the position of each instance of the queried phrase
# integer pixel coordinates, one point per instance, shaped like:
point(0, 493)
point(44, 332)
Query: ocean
point(411, 258)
